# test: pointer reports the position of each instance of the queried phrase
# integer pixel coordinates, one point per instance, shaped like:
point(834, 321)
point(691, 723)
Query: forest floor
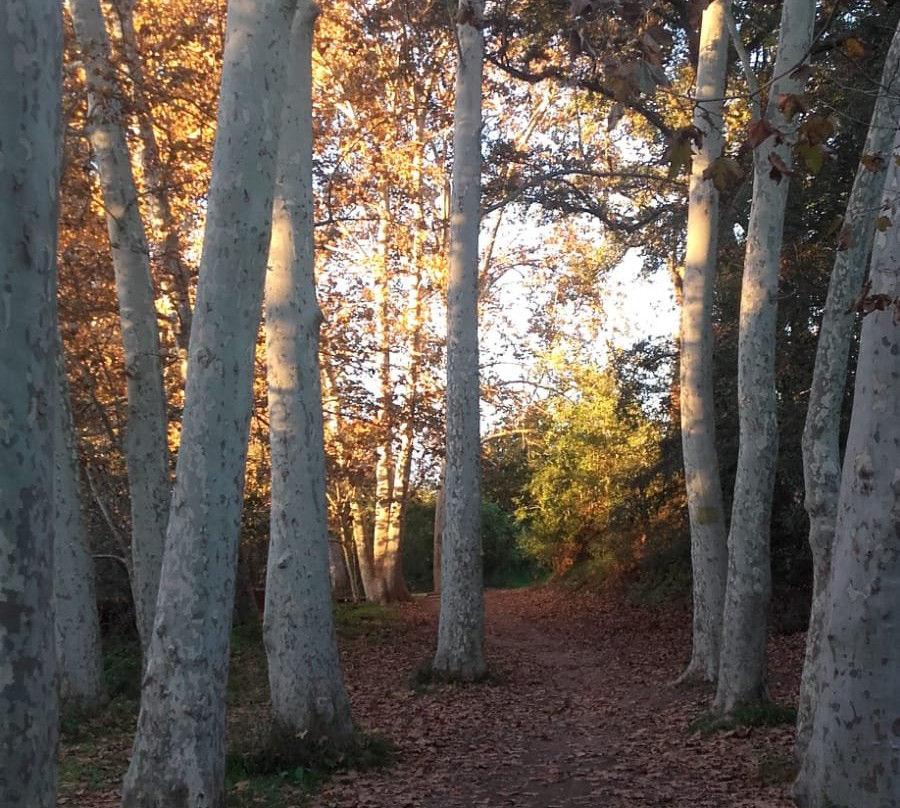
point(579, 711)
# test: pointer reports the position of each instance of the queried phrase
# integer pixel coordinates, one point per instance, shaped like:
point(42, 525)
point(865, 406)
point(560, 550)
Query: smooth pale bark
point(30, 85)
point(460, 649)
point(309, 701)
point(709, 548)
point(78, 649)
point(146, 439)
point(742, 668)
point(438, 534)
point(852, 756)
point(821, 439)
point(178, 758)
point(362, 543)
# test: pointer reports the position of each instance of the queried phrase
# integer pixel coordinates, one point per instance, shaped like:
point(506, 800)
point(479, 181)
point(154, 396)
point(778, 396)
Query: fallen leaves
point(580, 712)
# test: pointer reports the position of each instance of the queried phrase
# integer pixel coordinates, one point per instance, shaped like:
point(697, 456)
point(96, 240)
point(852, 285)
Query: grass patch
point(369, 620)
point(278, 766)
point(122, 670)
point(758, 714)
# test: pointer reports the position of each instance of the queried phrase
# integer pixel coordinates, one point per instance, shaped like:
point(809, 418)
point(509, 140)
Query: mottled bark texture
point(78, 649)
point(821, 439)
point(709, 548)
point(178, 758)
point(742, 667)
point(309, 701)
point(30, 81)
point(460, 650)
point(853, 754)
point(146, 439)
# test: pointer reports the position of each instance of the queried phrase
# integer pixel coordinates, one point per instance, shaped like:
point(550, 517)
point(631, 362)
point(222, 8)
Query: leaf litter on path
point(579, 711)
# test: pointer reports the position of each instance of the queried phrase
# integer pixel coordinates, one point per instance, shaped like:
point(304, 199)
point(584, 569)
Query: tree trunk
point(384, 552)
point(460, 650)
point(178, 759)
point(308, 696)
point(853, 750)
point(362, 542)
point(177, 283)
point(438, 534)
point(709, 549)
point(30, 86)
point(78, 649)
point(742, 669)
point(821, 440)
point(146, 439)
point(339, 571)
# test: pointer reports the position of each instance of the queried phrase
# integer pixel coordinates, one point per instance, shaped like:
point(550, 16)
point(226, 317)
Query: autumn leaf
point(875, 303)
point(882, 223)
point(816, 129)
point(791, 104)
point(780, 168)
point(678, 155)
point(724, 172)
point(758, 131)
point(813, 157)
point(873, 162)
point(855, 48)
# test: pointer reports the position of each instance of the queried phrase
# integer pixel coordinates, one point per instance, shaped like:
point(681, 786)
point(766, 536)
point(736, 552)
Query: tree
point(460, 650)
point(851, 758)
point(709, 551)
point(308, 697)
point(30, 131)
point(75, 605)
point(821, 434)
point(742, 668)
point(146, 440)
point(380, 166)
point(178, 756)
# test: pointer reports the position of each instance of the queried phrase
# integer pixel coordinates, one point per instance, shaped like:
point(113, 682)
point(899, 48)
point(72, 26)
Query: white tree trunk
point(30, 84)
point(75, 605)
point(821, 441)
point(853, 752)
point(742, 669)
point(460, 650)
point(308, 696)
point(146, 439)
point(178, 757)
point(709, 549)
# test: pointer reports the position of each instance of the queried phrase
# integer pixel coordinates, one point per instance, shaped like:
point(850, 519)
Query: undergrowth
point(758, 714)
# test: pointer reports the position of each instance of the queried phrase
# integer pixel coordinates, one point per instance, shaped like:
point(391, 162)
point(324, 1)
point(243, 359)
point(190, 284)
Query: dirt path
point(579, 712)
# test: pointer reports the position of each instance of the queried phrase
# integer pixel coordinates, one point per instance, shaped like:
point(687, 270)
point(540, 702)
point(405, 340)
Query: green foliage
point(758, 714)
point(298, 761)
point(505, 564)
point(665, 573)
point(122, 670)
point(365, 620)
point(594, 476)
